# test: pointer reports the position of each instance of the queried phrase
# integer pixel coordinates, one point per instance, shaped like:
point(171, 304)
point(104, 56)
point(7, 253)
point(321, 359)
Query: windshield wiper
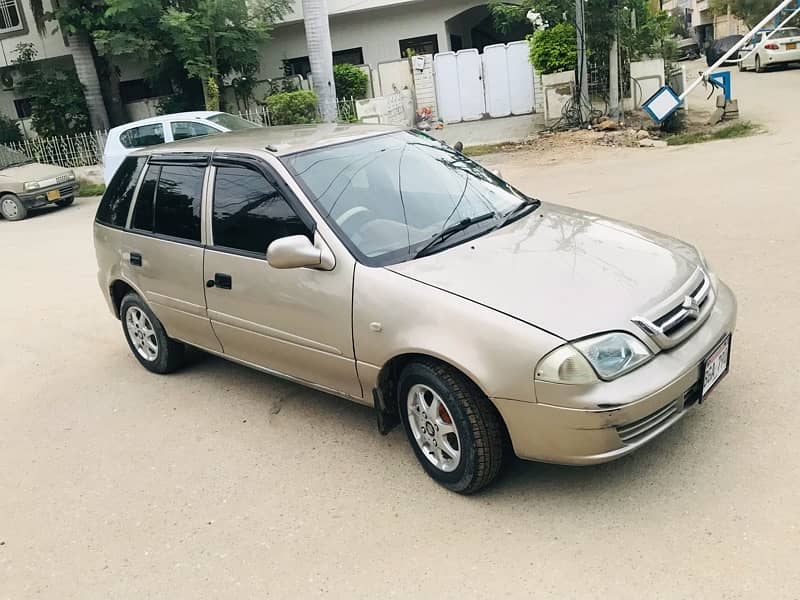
point(521, 210)
point(455, 228)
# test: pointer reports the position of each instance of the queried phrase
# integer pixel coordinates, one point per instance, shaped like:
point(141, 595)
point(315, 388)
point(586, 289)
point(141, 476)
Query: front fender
point(395, 315)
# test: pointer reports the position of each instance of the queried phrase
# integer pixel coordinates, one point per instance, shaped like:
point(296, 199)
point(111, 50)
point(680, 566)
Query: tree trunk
point(320, 55)
point(109, 84)
point(87, 74)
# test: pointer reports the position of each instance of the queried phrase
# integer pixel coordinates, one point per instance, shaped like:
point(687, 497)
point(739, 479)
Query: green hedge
point(292, 108)
point(554, 49)
point(351, 82)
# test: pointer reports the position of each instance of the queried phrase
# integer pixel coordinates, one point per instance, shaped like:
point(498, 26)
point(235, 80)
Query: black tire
point(759, 68)
point(480, 432)
point(12, 208)
point(169, 355)
point(65, 203)
point(741, 66)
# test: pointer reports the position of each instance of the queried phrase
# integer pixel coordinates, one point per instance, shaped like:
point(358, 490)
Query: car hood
point(32, 172)
point(568, 272)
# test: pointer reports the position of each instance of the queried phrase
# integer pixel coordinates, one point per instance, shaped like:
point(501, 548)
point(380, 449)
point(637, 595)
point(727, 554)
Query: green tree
point(56, 94)
point(351, 81)
point(749, 11)
point(218, 38)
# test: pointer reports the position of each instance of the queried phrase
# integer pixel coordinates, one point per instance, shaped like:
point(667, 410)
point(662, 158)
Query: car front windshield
point(11, 158)
point(392, 195)
point(232, 122)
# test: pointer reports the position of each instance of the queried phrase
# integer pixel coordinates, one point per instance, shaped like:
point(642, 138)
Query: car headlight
point(608, 356)
point(31, 186)
point(71, 175)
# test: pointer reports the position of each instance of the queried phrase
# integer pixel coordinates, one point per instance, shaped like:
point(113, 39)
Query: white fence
point(86, 149)
point(79, 150)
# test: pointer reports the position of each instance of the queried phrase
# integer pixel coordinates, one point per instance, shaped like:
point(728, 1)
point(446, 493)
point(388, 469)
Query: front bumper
point(38, 198)
point(583, 425)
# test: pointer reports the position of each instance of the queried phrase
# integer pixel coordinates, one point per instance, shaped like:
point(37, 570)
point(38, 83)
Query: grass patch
point(489, 149)
point(90, 189)
point(734, 130)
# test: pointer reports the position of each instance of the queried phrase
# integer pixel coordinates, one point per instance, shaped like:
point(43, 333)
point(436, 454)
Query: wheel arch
point(389, 376)
point(117, 290)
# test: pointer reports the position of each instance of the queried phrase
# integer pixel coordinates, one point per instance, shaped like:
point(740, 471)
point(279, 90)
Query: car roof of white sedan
point(196, 114)
point(279, 140)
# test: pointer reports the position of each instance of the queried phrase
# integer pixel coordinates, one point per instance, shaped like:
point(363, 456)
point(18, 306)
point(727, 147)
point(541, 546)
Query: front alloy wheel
point(432, 427)
point(454, 430)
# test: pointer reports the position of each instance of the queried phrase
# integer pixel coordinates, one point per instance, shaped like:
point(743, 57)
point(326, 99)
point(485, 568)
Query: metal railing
point(79, 150)
point(346, 109)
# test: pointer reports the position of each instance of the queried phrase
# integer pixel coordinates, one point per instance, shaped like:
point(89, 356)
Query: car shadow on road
point(652, 465)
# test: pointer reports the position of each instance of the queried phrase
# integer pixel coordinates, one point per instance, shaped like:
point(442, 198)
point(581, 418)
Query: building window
point(427, 44)
point(10, 19)
point(141, 89)
point(24, 108)
point(302, 65)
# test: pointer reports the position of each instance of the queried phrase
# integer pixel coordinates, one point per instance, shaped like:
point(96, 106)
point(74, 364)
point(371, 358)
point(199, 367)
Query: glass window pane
point(178, 201)
point(232, 123)
point(141, 137)
point(182, 130)
point(143, 211)
point(250, 213)
point(116, 201)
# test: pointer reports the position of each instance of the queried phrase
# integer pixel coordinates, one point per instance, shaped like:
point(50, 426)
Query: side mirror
point(459, 147)
point(296, 251)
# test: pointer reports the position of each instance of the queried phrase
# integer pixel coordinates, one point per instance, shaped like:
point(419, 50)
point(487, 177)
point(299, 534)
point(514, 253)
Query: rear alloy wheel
point(759, 68)
point(454, 430)
point(12, 208)
point(147, 338)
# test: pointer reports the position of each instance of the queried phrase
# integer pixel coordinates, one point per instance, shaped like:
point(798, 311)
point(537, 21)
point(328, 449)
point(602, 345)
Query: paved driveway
point(220, 482)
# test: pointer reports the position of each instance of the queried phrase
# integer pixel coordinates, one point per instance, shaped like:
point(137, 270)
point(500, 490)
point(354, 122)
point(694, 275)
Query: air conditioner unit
point(7, 81)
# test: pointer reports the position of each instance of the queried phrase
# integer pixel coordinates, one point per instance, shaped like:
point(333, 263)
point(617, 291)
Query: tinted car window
point(116, 202)
point(231, 122)
point(182, 130)
point(250, 213)
point(787, 33)
point(143, 211)
point(178, 201)
point(145, 135)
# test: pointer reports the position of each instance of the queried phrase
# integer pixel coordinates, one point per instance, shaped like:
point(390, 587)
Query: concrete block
point(721, 101)
point(716, 116)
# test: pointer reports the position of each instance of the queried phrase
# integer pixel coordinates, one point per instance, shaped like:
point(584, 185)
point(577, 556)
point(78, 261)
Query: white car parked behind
point(126, 138)
point(781, 48)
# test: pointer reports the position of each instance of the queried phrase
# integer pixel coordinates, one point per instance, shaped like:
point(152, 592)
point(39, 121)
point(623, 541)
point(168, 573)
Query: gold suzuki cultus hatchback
point(385, 267)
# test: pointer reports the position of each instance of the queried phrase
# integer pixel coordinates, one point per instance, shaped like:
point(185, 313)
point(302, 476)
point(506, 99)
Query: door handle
point(221, 280)
point(136, 259)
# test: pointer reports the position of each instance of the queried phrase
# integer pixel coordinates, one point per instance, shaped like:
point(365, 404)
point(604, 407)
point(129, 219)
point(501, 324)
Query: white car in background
point(126, 138)
point(782, 48)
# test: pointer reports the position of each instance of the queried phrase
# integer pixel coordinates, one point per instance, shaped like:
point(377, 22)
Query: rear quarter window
point(116, 201)
point(143, 136)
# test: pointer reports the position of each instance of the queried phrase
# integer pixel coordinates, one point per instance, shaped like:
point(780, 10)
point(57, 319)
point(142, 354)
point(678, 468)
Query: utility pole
point(613, 76)
point(583, 69)
point(320, 55)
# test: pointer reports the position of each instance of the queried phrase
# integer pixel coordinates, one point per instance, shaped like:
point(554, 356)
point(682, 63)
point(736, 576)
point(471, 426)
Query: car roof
point(280, 140)
point(195, 114)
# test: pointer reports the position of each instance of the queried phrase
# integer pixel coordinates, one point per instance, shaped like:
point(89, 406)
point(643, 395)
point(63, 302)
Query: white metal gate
point(498, 83)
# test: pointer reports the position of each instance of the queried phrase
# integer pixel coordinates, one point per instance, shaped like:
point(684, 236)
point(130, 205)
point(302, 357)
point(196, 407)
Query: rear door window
point(183, 130)
point(142, 136)
point(178, 202)
point(116, 202)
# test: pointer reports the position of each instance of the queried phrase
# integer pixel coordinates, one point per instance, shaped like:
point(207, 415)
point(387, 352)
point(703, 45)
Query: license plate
point(53, 195)
point(715, 367)
point(792, 46)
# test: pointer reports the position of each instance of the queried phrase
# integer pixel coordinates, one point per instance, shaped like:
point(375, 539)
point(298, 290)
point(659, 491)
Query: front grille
point(67, 190)
point(633, 432)
point(679, 317)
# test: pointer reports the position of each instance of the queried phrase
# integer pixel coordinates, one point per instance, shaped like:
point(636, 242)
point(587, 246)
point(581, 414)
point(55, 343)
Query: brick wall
point(424, 85)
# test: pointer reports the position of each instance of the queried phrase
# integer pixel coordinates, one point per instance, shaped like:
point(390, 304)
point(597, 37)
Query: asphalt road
point(220, 482)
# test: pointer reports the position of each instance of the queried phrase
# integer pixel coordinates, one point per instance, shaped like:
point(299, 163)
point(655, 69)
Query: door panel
point(445, 71)
point(294, 321)
point(520, 73)
point(297, 322)
point(495, 74)
point(171, 279)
